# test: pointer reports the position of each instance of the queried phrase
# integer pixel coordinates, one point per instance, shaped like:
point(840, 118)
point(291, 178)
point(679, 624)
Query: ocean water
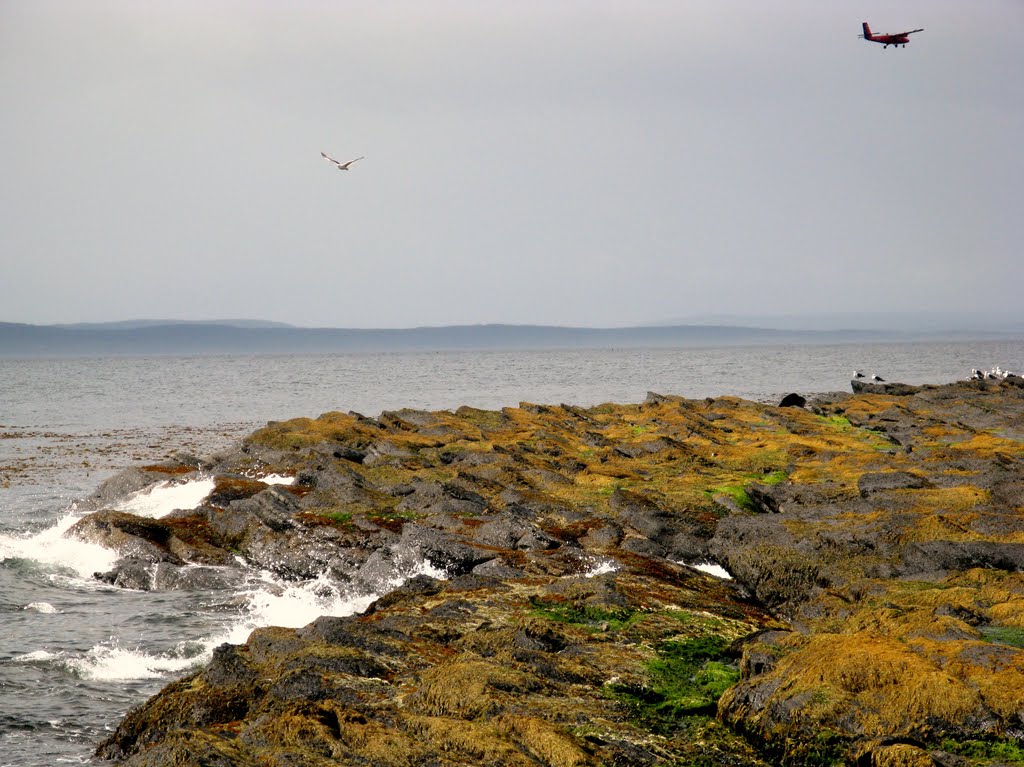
point(76, 654)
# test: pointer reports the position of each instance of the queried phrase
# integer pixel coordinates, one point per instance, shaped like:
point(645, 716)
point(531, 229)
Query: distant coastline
point(254, 337)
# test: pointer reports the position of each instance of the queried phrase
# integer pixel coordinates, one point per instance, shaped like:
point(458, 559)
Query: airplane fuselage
point(886, 40)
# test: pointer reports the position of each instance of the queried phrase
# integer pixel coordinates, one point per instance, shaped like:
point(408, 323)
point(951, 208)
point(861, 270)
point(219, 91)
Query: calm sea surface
point(75, 655)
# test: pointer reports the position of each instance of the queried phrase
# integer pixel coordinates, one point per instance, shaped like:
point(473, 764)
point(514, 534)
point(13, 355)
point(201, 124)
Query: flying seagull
point(341, 165)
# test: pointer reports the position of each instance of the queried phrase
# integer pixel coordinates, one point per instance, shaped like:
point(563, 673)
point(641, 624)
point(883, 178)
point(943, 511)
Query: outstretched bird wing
point(341, 165)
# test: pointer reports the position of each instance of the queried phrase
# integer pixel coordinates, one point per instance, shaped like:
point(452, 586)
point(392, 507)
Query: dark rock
point(603, 537)
point(123, 484)
point(228, 668)
point(168, 577)
point(761, 653)
point(133, 537)
point(143, 575)
point(686, 547)
point(442, 498)
point(765, 498)
point(505, 531)
point(498, 568)
point(876, 482)
point(232, 487)
point(386, 452)
point(513, 659)
point(344, 632)
point(443, 551)
point(130, 573)
point(301, 685)
point(348, 453)
point(931, 556)
point(534, 504)
point(793, 400)
point(644, 546)
point(893, 389)
point(539, 638)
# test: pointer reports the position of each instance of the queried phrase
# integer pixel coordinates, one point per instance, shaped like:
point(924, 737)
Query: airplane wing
point(901, 34)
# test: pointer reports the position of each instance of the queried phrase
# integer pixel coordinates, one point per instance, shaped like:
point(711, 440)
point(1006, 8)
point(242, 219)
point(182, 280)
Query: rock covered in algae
point(876, 613)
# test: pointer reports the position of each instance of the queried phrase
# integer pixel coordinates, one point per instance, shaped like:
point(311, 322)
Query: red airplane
point(901, 38)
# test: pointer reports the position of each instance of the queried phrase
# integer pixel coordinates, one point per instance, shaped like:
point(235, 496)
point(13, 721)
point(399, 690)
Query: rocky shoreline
point(875, 613)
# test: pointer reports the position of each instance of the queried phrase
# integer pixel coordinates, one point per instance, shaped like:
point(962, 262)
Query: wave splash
point(264, 599)
point(109, 662)
point(51, 550)
point(272, 602)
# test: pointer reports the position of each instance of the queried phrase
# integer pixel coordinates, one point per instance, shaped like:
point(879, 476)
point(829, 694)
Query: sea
point(77, 654)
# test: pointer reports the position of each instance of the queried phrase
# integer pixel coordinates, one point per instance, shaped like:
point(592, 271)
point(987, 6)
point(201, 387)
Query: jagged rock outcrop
point(876, 614)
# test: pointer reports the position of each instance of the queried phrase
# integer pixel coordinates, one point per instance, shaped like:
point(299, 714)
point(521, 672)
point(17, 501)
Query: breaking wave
point(51, 550)
point(111, 662)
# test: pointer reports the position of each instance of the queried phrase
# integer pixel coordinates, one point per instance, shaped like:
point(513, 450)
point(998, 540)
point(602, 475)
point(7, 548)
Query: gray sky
point(581, 163)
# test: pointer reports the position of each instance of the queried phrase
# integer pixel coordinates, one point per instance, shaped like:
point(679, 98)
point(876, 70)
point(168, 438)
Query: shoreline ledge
point(874, 615)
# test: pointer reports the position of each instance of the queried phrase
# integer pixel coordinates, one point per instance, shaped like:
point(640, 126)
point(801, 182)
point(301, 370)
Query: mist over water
point(76, 654)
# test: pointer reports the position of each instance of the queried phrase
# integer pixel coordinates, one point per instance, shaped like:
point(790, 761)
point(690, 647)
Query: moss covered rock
point(875, 615)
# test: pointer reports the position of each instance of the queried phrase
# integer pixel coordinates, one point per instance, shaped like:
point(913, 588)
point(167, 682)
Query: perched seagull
point(878, 378)
point(857, 374)
point(341, 165)
point(977, 375)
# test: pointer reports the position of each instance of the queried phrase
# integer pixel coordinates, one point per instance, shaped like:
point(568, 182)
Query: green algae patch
point(735, 492)
point(776, 477)
point(393, 519)
point(685, 679)
point(1008, 635)
point(590, 617)
point(332, 518)
point(985, 752)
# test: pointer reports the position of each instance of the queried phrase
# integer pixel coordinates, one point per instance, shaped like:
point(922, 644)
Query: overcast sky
point(583, 163)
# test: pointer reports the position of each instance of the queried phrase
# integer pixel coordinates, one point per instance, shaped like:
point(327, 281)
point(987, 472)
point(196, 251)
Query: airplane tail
point(867, 30)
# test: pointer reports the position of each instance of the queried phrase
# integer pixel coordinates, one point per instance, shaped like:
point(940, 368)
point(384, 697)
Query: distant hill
point(144, 338)
point(995, 320)
point(135, 324)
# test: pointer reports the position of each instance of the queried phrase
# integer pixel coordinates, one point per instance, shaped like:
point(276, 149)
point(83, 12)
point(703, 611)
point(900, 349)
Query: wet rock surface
point(876, 614)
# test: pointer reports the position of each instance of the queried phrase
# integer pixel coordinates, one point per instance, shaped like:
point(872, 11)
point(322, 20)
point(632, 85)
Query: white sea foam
point(275, 479)
point(711, 568)
point(272, 602)
point(110, 662)
point(51, 548)
point(40, 607)
point(164, 497)
point(601, 567)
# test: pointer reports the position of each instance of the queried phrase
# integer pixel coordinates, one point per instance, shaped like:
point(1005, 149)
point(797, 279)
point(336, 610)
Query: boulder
point(133, 537)
point(892, 389)
point(882, 481)
point(793, 400)
point(930, 556)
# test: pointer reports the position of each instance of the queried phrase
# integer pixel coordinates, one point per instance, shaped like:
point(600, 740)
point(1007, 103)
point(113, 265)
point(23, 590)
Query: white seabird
point(878, 378)
point(341, 165)
point(857, 374)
